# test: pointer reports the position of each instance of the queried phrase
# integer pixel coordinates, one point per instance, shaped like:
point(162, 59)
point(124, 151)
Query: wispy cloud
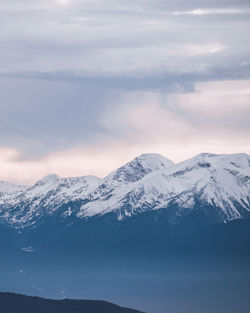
point(216, 11)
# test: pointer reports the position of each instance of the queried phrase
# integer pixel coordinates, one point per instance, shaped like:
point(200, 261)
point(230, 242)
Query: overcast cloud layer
point(87, 85)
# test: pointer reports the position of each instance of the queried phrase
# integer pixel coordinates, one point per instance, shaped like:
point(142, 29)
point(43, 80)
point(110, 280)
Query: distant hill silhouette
point(16, 303)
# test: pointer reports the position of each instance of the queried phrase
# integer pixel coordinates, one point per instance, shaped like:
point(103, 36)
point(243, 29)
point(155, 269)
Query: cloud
point(95, 160)
point(39, 116)
point(84, 73)
point(113, 39)
point(217, 11)
point(213, 118)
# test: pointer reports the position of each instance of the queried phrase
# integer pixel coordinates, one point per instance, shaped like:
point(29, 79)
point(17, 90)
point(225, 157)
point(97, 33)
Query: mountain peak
point(139, 167)
point(150, 155)
point(155, 160)
point(240, 160)
point(50, 178)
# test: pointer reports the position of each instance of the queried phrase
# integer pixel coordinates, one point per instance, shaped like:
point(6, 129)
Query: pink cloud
point(211, 119)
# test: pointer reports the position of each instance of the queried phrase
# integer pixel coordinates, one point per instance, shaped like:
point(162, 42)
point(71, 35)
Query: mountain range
point(217, 187)
point(152, 235)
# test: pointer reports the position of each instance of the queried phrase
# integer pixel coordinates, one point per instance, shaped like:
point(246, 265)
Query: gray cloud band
point(63, 64)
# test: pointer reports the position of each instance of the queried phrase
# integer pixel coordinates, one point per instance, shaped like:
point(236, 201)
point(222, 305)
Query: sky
point(87, 85)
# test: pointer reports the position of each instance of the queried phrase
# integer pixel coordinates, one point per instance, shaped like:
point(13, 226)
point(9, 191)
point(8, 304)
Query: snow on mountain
point(6, 187)
point(149, 182)
point(138, 168)
point(55, 187)
point(10, 190)
point(120, 179)
point(218, 180)
point(45, 197)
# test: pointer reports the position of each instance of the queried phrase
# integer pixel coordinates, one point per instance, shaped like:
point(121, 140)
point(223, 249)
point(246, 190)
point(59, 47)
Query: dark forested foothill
point(15, 303)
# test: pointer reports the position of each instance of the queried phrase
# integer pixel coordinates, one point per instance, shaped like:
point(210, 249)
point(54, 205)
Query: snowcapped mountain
point(24, 205)
point(217, 186)
point(137, 169)
point(220, 181)
point(9, 191)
